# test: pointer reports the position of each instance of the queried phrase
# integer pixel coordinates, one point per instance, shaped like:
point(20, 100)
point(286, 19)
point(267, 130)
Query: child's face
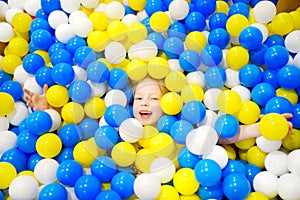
point(146, 104)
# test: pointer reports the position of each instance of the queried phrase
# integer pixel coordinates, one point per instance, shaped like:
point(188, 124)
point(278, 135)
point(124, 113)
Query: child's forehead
point(146, 82)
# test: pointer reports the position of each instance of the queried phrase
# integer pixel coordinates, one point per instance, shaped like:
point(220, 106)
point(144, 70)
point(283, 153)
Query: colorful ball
point(249, 112)
point(250, 75)
point(144, 182)
point(124, 154)
point(158, 68)
point(8, 172)
point(193, 111)
point(262, 92)
point(236, 23)
point(104, 168)
point(48, 145)
point(159, 22)
point(229, 102)
point(185, 181)
point(175, 81)
point(236, 186)
point(95, 107)
point(72, 112)
point(87, 187)
point(276, 57)
point(279, 105)
point(227, 126)
point(215, 77)
point(69, 135)
point(62, 74)
point(171, 103)
point(273, 126)
point(207, 172)
point(57, 96)
point(282, 23)
point(80, 91)
point(189, 60)
point(286, 77)
point(237, 57)
point(24, 186)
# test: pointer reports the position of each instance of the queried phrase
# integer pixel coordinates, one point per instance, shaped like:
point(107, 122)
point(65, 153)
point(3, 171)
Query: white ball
point(266, 182)
point(8, 140)
point(292, 41)
point(115, 52)
point(133, 52)
point(201, 141)
point(288, 186)
point(115, 96)
point(4, 124)
point(219, 155)
point(64, 32)
point(130, 19)
point(77, 14)
point(100, 8)
point(16, 4)
point(11, 13)
point(23, 187)
point(224, 63)
point(264, 11)
point(89, 3)
point(146, 186)
point(147, 50)
point(266, 145)
point(263, 29)
point(131, 130)
point(210, 118)
point(232, 78)
point(142, 15)
point(80, 73)
point(244, 92)
point(210, 98)
point(98, 89)
point(163, 168)
point(20, 75)
point(296, 60)
point(293, 161)
point(31, 85)
point(174, 65)
point(102, 122)
point(56, 18)
point(7, 32)
point(20, 112)
point(32, 6)
point(3, 9)
point(56, 119)
point(276, 162)
point(45, 170)
point(114, 10)
point(82, 27)
point(196, 77)
point(70, 5)
point(179, 9)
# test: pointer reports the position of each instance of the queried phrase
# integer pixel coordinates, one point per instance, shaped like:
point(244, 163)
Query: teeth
point(144, 112)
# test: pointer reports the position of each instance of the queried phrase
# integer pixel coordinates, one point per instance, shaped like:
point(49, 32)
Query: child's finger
point(29, 93)
point(287, 115)
point(45, 88)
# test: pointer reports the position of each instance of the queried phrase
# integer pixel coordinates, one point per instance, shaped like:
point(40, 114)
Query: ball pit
point(226, 66)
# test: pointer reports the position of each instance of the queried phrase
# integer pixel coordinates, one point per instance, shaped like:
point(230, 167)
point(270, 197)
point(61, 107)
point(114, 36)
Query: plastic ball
point(195, 21)
point(80, 91)
point(69, 135)
point(273, 126)
point(115, 52)
point(249, 112)
point(57, 95)
point(165, 123)
point(85, 152)
point(124, 154)
point(211, 192)
point(84, 55)
point(136, 70)
point(195, 40)
point(87, 187)
point(62, 74)
point(144, 182)
point(179, 131)
point(276, 57)
point(104, 168)
point(159, 22)
point(163, 169)
point(18, 46)
point(27, 141)
point(48, 145)
point(117, 78)
point(279, 105)
point(236, 23)
point(219, 155)
point(42, 39)
point(45, 170)
point(64, 32)
point(211, 55)
point(270, 190)
point(229, 102)
point(8, 140)
point(123, 184)
point(177, 29)
point(173, 77)
point(117, 30)
point(131, 130)
point(293, 162)
point(53, 190)
point(264, 12)
point(217, 20)
point(291, 95)
point(16, 157)
point(7, 32)
point(189, 60)
point(277, 163)
point(185, 181)
point(10, 62)
point(174, 99)
point(239, 8)
point(158, 68)
point(287, 186)
point(61, 56)
point(262, 93)
point(215, 77)
point(206, 7)
point(167, 191)
point(192, 92)
point(286, 77)
point(43, 76)
point(237, 57)
point(290, 41)
point(236, 186)
point(187, 159)
point(173, 47)
point(207, 172)
point(68, 172)
point(68, 112)
point(193, 111)
point(250, 75)
point(39, 122)
point(24, 186)
point(56, 18)
point(8, 172)
point(227, 126)
point(178, 9)
point(252, 34)
point(282, 23)
point(219, 37)
point(256, 156)
point(161, 145)
point(137, 32)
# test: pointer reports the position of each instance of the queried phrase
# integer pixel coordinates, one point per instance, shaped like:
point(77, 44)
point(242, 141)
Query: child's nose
point(145, 102)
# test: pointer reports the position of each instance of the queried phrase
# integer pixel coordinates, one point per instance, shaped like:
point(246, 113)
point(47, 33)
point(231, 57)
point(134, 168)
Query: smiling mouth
point(145, 114)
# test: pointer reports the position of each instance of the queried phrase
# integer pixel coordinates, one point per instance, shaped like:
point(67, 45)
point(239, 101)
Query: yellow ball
point(98, 40)
point(237, 57)
point(21, 22)
point(283, 23)
point(192, 92)
point(7, 174)
point(171, 103)
point(117, 30)
point(85, 152)
point(159, 22)
point(137, 32)
point(48, 145)
point(291, 95)
point(249, 112)
point(137, 5)
point(158, 67)
point(162, 145)
point(7, 103)
point(185, 181)
point(236, 23)
point(72, 113)
point(222, 6)
point(292, 141)
point(256, 196)
point(175, 81)
point(230, 151)
point(296, 17)
point(144, 158)
point(18, 46)
point(196, 41)
point(148, 133)
point(123, 154)
point(246, 144)
point(94, 107)
point(273, 126)
point(242, 154)
point(229, 102)
point(43, 54)
point(97, 17)
point(167, 192)
point(189, 197)
point(57, 95)
point(136, 69)
point(256, 157)
point(10, 62)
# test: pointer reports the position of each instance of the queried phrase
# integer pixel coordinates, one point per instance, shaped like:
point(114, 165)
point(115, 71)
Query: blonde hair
point(159, 82)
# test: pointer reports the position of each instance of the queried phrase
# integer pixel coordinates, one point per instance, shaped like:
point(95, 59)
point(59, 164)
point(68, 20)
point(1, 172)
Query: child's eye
point(138, 98)
point(155, 98)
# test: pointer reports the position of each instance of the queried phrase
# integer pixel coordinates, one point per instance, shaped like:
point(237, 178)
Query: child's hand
point(36, 101)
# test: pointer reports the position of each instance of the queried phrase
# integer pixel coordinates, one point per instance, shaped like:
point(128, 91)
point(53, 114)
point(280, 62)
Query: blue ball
point(239, 8)
point(87, 187)
point(234, 166)
point(108, 195)
point(262, 92)
point(296, 116)
point(122, 183)
point(80, 91)
point(39, 23)
point(26, 141)
point(193, 111)
point(288, 77)
point(40, 13)
point(219, 37)
point(158, 39)
point(236, 186)
point(250, 75)
point(250, 38)
point(211, 192)
point(68, 172)
point(97, 72)
point(39, 122)
point(189, 60)
point(177, 29)
point(215, 77)
point(53, 191)
point(33, 159)
point(41, 39)
point(206, 7)
point(62, 74)
point(208, 172)
point(117, 79)
point(61, 56)
point(50, 5)
point(32, 62)
point(74, 43)
point(211, 55)
point(227, 126)
point(165, 123)
point(88, 127)
point(65, 154)
point(55, 47)
point(146, 23)
point(244, 1)
point(128, 10)
point(269, 76)
point(274, 40)
point(13, 88)
point(106, 137)
point(153, 6)
point(43, 76)
point(217, 20)
point(173, 47)
point(4, 77)
point(23, 125)
point(104, 168)
point(186, 159)
point(179, 131)
point(16, 157)
point(70, 135)
point(84, 55)
point(256, 56)
point(279, 105)
point(251, 172)
point(195, 21)
point(276, 57)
